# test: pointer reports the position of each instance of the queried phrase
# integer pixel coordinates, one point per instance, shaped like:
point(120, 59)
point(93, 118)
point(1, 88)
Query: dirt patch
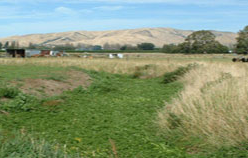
point(44, 87)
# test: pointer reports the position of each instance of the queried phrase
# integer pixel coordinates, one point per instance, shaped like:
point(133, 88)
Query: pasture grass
point(14, 72)
point(116, 115)
point(21, 145)
point(161, 63)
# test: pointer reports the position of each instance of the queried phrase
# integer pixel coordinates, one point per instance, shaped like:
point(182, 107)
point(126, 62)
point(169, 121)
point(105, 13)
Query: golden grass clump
point(212, 109)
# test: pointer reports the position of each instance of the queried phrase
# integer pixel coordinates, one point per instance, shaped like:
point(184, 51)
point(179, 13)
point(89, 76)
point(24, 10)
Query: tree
point(146, 46)
point(115, 46)
point(106, 46)
point(96, 47)
point(128, 47)
point(202, 42)
point(31, 46)
point(242, 41)
point(17, 45)
point(1, 45)
point(6, 45)
point(170, 48)
point(12, 44)
point(123, 47)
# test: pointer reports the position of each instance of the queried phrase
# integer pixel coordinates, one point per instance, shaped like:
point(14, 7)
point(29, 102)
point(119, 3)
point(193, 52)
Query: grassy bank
point(210, 114)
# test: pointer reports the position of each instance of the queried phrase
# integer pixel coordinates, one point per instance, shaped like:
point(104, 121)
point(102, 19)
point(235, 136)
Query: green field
point(114, 107)
point(113, 117)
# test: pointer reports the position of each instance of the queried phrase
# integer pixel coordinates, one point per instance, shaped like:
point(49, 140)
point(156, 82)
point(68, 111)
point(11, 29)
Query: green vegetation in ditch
point(115, 113)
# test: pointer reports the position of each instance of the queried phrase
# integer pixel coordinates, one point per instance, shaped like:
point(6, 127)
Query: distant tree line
point(204, 42)
point(8, 45)
point(200, 42)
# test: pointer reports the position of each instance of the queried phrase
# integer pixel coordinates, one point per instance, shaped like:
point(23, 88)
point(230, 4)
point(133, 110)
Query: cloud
point(11, 12)
point(109, 8)
point(64, 10)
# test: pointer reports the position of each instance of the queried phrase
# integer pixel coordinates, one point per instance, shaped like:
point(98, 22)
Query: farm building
point(51, 53)
point(31, 52)
point(15, 53)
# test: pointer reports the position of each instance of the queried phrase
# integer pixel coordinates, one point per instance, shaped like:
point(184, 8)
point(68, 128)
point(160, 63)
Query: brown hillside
point(158, 36)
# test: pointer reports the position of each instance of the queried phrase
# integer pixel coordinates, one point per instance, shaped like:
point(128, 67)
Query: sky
point(20, 17)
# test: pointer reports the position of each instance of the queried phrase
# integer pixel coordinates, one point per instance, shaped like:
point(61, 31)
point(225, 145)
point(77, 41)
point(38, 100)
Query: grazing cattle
point(240, 59)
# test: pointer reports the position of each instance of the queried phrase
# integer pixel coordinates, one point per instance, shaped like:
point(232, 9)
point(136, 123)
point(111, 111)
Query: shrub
point(179, 72)
point(146, 71)
point(21, 102)
point(9, 92)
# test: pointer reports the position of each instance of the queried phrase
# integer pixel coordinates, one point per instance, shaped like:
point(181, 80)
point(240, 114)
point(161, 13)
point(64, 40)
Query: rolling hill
point(158, 36)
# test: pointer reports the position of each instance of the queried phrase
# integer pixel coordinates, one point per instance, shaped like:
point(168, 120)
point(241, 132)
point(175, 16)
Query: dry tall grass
point(212, 109)
point(121, 66)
